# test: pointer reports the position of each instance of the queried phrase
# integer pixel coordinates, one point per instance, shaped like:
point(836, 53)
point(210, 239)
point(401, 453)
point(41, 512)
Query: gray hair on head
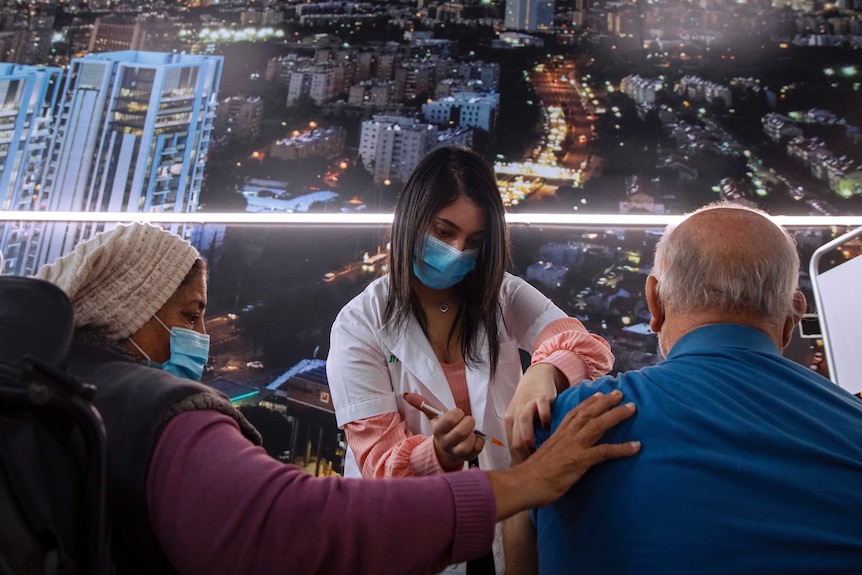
point(733, 262)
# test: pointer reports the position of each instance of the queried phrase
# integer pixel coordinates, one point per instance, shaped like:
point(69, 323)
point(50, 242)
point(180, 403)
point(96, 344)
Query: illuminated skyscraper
point(131, 135)
point(391, 146)
point(152, 31)
point(27, 97)
point(529, 15)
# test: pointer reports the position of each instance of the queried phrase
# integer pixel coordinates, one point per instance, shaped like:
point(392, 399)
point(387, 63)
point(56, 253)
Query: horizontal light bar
point(601, 220)
point(664, 220)
point(198, 217)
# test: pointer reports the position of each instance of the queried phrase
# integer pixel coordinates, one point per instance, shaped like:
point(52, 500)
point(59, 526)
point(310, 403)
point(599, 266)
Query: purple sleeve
point(219, 504)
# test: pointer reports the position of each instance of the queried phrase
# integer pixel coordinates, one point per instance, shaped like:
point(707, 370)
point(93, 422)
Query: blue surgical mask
point(444, 266)
point(189, 352)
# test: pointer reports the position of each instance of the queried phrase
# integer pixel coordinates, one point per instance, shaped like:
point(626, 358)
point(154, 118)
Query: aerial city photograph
point(584, 108)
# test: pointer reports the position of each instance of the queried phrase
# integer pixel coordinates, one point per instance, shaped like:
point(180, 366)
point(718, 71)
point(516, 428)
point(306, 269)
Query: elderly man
point(191, 491)
point(751, 463)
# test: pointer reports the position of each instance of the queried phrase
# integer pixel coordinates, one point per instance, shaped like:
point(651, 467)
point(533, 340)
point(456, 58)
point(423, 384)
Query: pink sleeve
point(567, 345)
point(384, 447)
point(219, 504)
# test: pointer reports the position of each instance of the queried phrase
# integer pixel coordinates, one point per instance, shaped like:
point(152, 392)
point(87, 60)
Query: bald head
point(744, 234)
point(727, 263)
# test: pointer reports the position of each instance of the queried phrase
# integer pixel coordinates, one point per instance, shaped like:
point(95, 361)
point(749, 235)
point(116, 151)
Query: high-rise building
point(27, 97)
point(321, 83)
point(114, 33)
point(414, 81)
point(391, 146)
point(529, 15)
point(132, 133)
point(27, 40)
point(464, 109)
point(239, 117)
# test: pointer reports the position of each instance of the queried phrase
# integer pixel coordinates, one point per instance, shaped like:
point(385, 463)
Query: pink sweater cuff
point(570, 363)
point(568, 346)
point(423, 459)
point(384, 447)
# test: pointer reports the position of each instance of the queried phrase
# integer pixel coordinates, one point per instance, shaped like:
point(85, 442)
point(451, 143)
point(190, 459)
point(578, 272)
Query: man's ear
point(654, 304)
point(800, 304)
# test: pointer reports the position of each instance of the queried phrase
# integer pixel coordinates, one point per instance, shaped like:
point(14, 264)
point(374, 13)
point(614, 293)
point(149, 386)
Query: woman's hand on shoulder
point(531, 403)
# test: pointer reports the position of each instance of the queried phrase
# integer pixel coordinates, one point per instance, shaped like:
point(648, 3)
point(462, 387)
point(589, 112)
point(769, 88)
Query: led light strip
point(595, 220)
point(601, 220)
point(198, 218)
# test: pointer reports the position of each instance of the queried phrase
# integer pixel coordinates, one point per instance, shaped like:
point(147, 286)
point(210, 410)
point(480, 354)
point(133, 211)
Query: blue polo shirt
point(750, 463)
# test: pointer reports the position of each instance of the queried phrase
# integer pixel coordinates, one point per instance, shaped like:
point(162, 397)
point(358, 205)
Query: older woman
point(191, 490)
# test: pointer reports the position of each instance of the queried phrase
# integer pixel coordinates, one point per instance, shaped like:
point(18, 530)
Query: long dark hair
point(441, 177)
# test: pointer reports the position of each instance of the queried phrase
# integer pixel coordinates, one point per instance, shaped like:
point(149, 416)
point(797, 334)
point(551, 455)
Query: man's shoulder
point(638, 386)
point(629, 382)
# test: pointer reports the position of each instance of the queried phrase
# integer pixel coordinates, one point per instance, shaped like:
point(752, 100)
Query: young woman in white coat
point(447, 322)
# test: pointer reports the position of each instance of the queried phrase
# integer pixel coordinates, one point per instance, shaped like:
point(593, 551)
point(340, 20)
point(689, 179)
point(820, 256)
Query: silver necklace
point(444, 307)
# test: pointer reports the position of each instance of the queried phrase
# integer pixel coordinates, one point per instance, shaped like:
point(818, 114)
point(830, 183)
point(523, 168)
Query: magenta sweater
point(219, 504)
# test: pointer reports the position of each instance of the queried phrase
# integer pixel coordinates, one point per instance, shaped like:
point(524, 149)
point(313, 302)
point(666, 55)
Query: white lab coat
point(371, 365)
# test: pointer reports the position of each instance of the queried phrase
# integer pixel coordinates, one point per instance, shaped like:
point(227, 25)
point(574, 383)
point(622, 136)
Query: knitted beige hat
point(118, 279)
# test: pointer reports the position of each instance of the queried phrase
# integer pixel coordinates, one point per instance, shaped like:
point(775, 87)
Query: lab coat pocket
point(506, 379)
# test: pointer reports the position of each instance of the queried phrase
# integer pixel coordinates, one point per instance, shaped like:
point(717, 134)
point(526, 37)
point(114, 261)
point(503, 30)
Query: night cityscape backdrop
point(583, 106)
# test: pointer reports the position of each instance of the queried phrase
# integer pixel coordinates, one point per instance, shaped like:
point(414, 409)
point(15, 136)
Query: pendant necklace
point(444, 307)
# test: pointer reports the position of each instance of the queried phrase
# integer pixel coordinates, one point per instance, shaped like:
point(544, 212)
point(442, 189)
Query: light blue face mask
point(444, 266)
point(189, 352)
